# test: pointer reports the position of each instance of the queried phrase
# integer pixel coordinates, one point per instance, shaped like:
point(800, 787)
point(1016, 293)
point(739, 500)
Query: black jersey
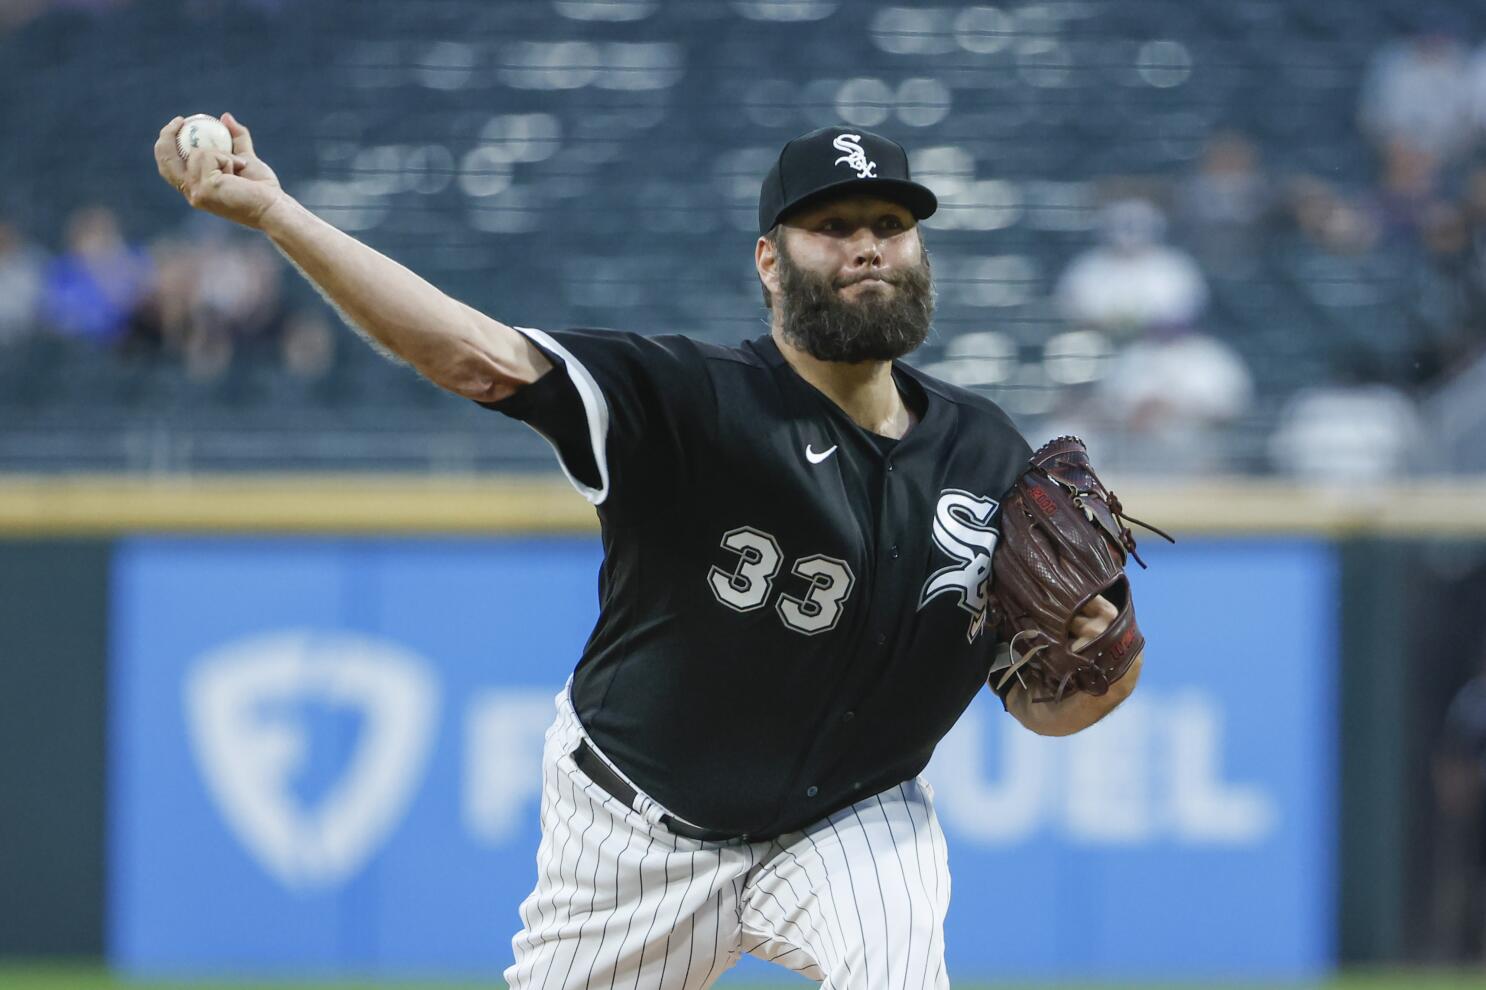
point(792, 609)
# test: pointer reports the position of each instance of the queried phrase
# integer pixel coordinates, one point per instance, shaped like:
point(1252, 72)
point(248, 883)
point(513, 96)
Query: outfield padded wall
point(1401, 652)
point(53, 645)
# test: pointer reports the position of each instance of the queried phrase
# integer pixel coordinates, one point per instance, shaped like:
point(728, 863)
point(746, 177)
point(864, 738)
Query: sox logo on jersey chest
point(962, 530)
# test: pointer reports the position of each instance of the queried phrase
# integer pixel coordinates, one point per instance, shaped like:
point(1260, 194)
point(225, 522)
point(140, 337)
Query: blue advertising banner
point(324, 758)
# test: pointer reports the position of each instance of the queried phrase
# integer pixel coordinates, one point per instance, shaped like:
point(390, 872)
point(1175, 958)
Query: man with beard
point(798, 535)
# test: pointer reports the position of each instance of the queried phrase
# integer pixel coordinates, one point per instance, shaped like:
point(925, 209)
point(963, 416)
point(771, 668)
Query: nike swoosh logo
point(815, 458)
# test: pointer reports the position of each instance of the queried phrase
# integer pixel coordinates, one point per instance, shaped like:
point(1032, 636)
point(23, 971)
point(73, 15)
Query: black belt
point(598, 771)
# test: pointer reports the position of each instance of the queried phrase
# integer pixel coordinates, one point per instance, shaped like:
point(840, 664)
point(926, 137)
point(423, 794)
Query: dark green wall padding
point(53, 644)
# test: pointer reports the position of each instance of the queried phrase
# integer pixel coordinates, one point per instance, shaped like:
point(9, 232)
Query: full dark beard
point(815, 318)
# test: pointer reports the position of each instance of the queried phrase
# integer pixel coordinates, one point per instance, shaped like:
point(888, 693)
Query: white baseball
point(202, 130)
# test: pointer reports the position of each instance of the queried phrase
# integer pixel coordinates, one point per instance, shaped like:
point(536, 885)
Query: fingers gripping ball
point(1063, 541)
point(202, 130)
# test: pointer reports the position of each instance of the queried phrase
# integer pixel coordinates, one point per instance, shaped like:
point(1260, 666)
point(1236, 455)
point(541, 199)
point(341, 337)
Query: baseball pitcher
point(815, 558)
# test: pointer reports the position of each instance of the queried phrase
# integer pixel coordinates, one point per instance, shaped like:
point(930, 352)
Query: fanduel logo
point(504, 732)
point(253, 708)
point(1152, 772)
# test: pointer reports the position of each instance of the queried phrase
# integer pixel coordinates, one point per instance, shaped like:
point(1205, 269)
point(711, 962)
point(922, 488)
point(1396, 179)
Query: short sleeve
point(616, 408)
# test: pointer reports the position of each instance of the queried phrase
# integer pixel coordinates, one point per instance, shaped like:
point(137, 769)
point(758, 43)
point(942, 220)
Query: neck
point(865, 391)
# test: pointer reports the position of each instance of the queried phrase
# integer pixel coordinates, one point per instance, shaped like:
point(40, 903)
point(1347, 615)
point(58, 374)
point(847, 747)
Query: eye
point(831, 225)
point(891, 222)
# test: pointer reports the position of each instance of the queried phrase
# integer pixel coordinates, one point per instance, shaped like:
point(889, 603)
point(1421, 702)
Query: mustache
point(890, 279)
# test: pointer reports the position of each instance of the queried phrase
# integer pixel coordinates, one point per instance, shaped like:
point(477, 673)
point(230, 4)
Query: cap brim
point(918, 199)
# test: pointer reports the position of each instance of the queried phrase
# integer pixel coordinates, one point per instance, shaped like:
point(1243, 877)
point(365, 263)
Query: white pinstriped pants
point(856, 900)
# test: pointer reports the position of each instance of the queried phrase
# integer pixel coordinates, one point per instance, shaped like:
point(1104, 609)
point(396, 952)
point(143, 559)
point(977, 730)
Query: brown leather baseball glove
point(1063, 541)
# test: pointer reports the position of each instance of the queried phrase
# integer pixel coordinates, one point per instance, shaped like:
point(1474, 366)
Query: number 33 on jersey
point(747, 586)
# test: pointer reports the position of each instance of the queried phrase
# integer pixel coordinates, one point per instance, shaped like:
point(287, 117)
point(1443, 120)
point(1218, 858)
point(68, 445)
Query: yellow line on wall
point(99, 505)
point(83, 505)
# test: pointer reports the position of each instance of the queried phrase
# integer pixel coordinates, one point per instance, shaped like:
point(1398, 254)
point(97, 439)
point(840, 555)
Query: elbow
point(474, 375)
point(491, 362)
point(483, 385)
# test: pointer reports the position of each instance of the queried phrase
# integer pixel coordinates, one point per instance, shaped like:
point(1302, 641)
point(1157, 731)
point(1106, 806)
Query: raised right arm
point(449, 343)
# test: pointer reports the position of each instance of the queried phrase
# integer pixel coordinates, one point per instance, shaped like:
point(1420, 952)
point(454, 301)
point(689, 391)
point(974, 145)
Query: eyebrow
point(832, 214)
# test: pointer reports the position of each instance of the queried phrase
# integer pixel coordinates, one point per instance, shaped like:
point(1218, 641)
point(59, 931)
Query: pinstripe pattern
point(855, 901)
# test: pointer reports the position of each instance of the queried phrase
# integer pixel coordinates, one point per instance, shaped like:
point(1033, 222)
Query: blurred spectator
point(1174, 384)
point(307, 344)
point(1447, 300)
point(1222, 207)
point(1458, 775)
point(1168, 386)
point(1477, 85)
point(1161, 405)
point(1369, 432)
point(1457, 420)
point(1132, 283)
point(94, 288)
point(239, 290)
point(22, 268)
point(162, 320)
point(1417, 92)
point(1326, 219)
point(14, 13)
point(216, 300)
point(237, 305)
point(1407, 190)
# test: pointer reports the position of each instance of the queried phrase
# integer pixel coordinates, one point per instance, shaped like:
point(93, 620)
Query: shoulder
point(973, 410)
point(701, 361)
point(678, 345)
point(744, 354)
point(620, 348)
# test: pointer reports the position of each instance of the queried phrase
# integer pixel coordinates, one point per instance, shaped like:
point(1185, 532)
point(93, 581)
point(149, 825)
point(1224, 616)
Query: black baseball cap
point(835, 161)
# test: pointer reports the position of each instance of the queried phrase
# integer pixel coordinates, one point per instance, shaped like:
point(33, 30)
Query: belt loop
point(649, 810)
point(598, 770)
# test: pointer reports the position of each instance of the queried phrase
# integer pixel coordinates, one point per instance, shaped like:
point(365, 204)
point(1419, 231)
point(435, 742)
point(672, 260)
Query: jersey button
point(811, 791)
point(892, 551)
point(881, 638)
point(848, 716)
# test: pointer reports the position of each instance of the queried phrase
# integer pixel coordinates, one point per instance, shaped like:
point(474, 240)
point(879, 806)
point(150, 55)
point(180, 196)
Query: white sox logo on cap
point(856, 155)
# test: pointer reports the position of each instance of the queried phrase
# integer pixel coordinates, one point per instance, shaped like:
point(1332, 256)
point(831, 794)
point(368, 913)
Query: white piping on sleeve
point(595, 408)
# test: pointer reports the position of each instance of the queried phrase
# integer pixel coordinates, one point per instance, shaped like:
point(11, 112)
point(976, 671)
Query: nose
point(865, 249)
